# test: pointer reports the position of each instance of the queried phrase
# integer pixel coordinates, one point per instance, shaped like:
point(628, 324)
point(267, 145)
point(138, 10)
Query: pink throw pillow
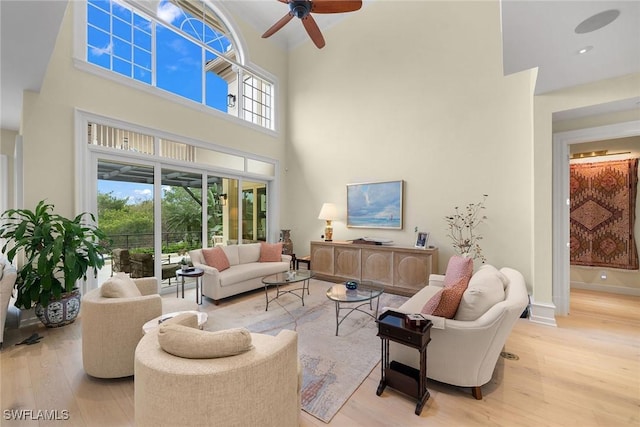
point(432, 304)
point(216, 258)
point(458, 268)
point(270, 252)
point(450, 299)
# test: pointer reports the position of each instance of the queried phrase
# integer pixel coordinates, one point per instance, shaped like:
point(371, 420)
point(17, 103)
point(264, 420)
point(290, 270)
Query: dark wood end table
point(394, 326)
point(197, 273)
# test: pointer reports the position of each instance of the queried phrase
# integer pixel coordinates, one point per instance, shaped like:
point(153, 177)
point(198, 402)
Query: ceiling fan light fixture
point(300, 8)
point(303, 10)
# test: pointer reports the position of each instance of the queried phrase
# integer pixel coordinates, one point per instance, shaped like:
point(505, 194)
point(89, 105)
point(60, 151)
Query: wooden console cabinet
point(402, 270)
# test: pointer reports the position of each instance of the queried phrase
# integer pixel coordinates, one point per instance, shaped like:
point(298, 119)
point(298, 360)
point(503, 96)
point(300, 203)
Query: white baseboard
point(622, 290)
point(543, 313)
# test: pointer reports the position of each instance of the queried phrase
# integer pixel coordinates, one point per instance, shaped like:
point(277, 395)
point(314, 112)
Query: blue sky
point(133, 191)
point(121, 40)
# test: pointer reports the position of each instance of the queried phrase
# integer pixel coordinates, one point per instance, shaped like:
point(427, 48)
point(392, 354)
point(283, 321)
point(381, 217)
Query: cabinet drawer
point(392, 325)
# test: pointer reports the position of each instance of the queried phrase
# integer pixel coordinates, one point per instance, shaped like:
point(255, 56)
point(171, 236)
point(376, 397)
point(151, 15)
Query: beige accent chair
point(260, 387)
point(464, 353)
point(8, 277)
point(112, 327)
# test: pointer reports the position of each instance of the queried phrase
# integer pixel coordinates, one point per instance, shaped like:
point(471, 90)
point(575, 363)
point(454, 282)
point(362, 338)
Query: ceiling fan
point(303, 10)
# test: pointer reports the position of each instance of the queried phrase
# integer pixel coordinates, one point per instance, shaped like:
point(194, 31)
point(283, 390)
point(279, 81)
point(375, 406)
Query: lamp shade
point(328, 212)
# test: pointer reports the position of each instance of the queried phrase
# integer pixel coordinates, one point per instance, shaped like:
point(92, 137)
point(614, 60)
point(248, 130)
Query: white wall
point(413, 91)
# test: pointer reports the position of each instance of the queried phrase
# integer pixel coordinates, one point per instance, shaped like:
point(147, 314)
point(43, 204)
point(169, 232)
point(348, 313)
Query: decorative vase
point(351, 285)
point(287, 244)
point(60, 312)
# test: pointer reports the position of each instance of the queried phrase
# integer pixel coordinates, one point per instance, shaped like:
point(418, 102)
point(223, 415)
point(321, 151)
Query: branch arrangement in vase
point(463, 229)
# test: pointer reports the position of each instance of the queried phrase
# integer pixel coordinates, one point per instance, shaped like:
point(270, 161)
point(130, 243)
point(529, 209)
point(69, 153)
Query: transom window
point(181, 47)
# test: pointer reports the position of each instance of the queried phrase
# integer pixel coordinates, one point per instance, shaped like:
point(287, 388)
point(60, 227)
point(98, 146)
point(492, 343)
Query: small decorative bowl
point(351, 285)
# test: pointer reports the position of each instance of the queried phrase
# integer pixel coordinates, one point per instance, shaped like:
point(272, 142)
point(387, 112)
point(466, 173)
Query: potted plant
point(57, 253)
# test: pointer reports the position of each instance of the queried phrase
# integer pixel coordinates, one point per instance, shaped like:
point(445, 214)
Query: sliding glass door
point(158, 196)
point(125, 201)
point(196, 210)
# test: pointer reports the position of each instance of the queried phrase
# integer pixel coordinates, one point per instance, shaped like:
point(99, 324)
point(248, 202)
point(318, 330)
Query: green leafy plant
point(463, 229)
point(57, 251)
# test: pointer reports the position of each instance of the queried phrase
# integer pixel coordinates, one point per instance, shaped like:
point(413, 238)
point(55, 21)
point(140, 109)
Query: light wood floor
point(585, 372)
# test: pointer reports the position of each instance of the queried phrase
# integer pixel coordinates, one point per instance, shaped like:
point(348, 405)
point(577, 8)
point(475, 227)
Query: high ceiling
point(535, 34)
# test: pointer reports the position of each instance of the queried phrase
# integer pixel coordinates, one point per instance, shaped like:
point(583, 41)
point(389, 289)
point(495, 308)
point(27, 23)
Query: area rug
point(333, 366)
point(603, 201)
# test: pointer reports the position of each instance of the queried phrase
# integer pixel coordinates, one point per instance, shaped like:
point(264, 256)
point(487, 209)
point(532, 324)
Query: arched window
point(182, 47)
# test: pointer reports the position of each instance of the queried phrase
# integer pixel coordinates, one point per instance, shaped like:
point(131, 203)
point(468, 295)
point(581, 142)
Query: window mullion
point(203, 76)
point(240, 97)
point(154, 54)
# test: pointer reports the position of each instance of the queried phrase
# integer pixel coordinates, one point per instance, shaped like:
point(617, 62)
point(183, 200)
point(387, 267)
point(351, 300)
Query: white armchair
point(112, 327)
point(465, 353)
point(260, 387)
point(8, 277)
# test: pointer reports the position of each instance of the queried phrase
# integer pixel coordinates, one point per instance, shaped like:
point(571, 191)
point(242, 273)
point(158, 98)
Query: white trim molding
point(543, 313)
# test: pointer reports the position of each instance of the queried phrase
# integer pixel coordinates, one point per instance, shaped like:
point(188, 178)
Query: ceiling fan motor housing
point(300, 8)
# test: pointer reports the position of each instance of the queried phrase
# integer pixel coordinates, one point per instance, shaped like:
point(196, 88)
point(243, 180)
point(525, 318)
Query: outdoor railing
point(145, 241)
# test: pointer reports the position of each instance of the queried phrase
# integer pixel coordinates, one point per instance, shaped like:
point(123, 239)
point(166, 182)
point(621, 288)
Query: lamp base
point(328, 233)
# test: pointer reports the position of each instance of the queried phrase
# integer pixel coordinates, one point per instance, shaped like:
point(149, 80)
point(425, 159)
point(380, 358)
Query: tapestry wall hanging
point(603, 202)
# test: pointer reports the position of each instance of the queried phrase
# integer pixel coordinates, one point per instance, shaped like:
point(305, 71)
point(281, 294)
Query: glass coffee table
point(286, 278)
point(364, 294)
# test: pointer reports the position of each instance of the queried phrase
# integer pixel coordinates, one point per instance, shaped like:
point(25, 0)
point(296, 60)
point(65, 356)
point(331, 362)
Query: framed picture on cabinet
point(422, 240)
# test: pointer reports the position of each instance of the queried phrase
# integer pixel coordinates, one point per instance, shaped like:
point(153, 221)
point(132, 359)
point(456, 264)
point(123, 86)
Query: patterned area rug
point(333, 366)
point(603, 200)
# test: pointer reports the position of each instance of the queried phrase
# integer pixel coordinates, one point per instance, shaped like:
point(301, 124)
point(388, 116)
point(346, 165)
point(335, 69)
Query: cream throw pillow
point(119, 286)
point(486, 289)
point(191, 343)
point(185, 319)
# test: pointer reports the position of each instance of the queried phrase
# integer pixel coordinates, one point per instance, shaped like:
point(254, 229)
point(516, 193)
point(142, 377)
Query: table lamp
point(329, 212)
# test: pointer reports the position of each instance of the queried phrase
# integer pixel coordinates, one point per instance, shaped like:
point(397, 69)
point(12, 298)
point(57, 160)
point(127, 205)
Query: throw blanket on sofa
point(603, 201)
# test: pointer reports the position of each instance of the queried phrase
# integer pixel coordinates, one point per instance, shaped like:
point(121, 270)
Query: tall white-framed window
point(164, 194)
point(184, 48)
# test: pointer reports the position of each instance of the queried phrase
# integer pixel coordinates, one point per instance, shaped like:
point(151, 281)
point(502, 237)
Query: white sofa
point(245, 273)
point(8, 276)
point(464, 353)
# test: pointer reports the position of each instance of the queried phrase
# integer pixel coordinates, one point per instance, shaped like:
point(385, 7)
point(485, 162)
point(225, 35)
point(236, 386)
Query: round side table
point(155, 322)
point(197, 273)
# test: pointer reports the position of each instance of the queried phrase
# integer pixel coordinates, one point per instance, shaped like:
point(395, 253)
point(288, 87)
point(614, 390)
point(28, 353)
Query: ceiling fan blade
point(313, 31)
point(335, 6)
point(278, 25)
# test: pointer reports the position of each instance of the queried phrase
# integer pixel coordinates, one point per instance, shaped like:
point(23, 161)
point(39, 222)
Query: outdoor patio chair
point(120, 261)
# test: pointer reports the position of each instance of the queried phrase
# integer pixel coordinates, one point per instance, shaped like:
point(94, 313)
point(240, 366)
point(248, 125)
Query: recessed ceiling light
point(597, 21)
point(585, 50)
